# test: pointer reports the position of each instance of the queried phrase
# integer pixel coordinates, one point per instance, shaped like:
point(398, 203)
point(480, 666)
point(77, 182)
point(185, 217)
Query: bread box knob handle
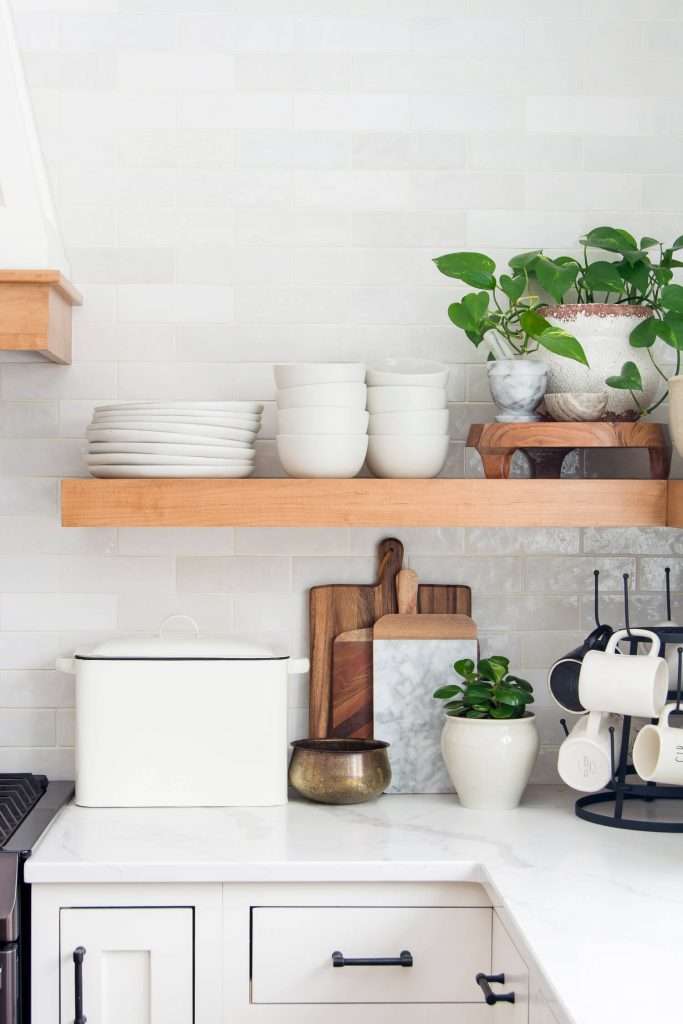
point(163, 628)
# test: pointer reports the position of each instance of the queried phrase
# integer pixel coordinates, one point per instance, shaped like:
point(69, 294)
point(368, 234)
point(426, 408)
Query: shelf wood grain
point(674, 514)
point(365, 502)
point(35, 313)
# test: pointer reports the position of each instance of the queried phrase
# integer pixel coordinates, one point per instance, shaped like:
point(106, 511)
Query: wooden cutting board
point(341, 700)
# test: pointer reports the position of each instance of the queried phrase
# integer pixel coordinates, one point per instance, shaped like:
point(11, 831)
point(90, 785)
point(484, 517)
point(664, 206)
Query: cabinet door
point(138, 965)
point(506, 960)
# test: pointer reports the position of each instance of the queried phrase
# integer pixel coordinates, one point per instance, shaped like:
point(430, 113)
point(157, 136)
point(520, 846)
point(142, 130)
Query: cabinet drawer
point(292, 951)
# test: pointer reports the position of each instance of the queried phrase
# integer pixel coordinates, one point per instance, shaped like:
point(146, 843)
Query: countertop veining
point(600, 909)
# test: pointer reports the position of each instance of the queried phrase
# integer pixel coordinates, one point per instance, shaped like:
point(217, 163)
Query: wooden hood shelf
point(35, 313)
point(369, 502)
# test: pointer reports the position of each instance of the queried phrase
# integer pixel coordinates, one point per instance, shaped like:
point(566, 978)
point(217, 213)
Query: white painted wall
point(246, 182)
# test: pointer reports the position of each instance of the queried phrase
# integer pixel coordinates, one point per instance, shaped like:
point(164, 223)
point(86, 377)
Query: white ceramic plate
point(112, 419)
point(181, 437)
point(122, 472)
point(131, 459)
point(208, 451)
point(190, 429)
point(255, 408)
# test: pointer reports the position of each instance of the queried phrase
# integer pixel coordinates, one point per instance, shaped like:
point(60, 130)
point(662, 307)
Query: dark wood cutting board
point(341, 700)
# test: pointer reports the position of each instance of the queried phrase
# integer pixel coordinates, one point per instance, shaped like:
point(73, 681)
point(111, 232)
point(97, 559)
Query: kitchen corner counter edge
point(587, 901)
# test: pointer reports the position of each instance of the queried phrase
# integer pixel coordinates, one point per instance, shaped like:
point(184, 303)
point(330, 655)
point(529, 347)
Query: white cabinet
point(138, 965)
point(292, 951)
point(506, 960)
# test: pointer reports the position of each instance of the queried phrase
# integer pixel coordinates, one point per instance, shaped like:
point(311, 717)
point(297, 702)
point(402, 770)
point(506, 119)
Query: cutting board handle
point(406, 590)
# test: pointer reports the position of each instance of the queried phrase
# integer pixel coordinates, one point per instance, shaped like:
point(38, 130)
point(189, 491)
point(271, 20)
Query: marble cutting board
point(406, 673)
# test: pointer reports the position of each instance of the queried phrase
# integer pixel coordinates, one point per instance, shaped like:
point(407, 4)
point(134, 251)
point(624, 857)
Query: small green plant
point(487, 690)
point(503, 312)
point(506, 313)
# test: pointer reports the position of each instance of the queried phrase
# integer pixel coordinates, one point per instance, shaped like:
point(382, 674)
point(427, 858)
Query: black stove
point(28, 803)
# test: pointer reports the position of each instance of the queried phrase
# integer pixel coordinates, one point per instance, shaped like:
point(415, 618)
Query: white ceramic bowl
point(315, 419)
point(253, 408)
point(295, 375)
point(396, 455)
point(391, 399)
point(415, 422)
point(406, 372)
point(322, 455)
point(351, 396)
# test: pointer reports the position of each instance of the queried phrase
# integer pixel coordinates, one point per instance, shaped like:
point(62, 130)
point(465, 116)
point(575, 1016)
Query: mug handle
point(598, 636)
point(623, 634)
point(593, 723)
point(663, 719)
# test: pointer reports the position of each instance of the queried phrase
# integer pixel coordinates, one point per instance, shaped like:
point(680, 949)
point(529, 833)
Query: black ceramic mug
point(563, 677)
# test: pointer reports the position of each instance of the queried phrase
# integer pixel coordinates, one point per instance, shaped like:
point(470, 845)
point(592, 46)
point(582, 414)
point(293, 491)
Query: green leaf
point(505, 711)
point(465, 668)
point(453, 704)
point(533, 323)
point(474, 268)
point(636, 274)
point(525, 260)
point(458, 712)
point(645, 334)
point(628, 380)
point(556, 280)
point(524, 683)
point(611, 239)
point(477, 692)
point(647, 242)
point(672, 297)
point(473, 713)
point(511, 696)
point(666, 332)
point(513, 287)
point(476, 304)
point(446, 692)
point(491, 668)
point(498, 659)
point(675, 324)
point(678, 243)
point(562, 344)
point(662, 275)
point(459, 314)
point(603, 276)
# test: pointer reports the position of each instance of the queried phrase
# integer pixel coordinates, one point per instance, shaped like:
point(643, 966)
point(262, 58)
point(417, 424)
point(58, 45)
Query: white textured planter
point(490, 761)
point(604, 331)
point(676, 412)
point(517, 387)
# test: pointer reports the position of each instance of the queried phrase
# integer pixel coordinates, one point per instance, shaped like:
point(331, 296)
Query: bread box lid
point(189, 645)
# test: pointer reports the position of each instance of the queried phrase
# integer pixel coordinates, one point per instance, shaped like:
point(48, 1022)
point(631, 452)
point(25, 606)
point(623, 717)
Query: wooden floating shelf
point(369, 502)
point(35, 313)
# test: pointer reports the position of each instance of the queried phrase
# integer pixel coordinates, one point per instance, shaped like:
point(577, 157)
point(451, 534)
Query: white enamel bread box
point(179, 720)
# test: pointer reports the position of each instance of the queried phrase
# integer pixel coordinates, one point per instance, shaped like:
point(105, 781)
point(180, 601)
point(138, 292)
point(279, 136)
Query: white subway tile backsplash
point(268, 181)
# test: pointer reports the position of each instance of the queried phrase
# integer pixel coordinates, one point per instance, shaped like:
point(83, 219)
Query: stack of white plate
point(408, 404)
point(322, 422)
point(173, 439)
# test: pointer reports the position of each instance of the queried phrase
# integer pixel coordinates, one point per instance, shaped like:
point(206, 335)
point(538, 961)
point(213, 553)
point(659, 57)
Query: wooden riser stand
point(546, 444)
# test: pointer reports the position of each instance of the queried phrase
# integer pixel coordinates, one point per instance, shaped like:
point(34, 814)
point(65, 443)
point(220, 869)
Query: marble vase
point(490, 761)
point(517, 387)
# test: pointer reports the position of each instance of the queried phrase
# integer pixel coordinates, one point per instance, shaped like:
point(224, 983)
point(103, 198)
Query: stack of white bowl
point(173, 439)
point(408, 404)
point(322, 422)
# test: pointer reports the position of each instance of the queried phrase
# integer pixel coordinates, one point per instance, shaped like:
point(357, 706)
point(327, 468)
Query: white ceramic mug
point(585, 757)
point(623, 683)
point(658, 751)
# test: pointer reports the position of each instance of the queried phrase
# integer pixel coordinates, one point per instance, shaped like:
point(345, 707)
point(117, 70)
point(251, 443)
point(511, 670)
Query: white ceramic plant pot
point(676, 412)
point(517, 387)
point(490, 761)
point(604, 331)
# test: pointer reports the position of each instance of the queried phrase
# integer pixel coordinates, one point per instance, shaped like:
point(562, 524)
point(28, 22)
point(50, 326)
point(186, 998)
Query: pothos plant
point(487, 690)
point(506, 312)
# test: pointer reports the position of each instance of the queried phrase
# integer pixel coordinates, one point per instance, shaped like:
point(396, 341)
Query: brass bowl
point(340, 771)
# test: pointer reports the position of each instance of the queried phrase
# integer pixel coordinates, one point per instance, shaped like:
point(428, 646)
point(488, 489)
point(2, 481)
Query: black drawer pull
point(79, 955)
point(404, 959)
point(490, 996)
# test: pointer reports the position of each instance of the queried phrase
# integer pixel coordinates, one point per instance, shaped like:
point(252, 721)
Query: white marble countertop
point(600, 909)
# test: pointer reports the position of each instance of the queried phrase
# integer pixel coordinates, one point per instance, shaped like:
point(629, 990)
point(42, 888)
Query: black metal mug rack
point(619, 791)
